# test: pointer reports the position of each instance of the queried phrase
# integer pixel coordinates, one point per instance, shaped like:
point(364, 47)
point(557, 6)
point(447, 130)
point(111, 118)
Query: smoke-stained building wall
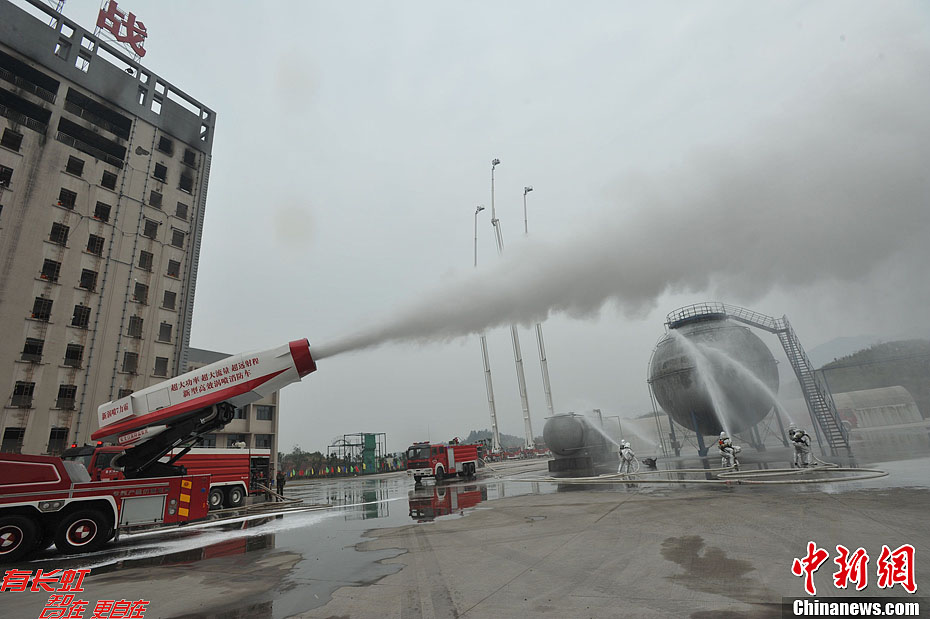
point(104, 169)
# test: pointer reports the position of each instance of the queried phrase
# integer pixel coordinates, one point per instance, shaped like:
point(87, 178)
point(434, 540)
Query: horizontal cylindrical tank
point(579, 448)
point(711, 372)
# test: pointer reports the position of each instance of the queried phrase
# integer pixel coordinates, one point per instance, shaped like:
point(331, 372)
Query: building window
point(189, 157)
point(6, 176)
point(239, 413)
point(50, 270)
point(264, 413)
point(145, 260)
point(169, 300)
point(135, 326)
point(177, 238)
point(181, 211)
point(122, 393)
point(32, 351)
point(174, 268)
point(161, 172)
point(75, 166)
point(141, 293)
point(263, 441)
point(164, 332)
point(208, 440)
point(186, 183)
point(233, 440)
point(88, 280)
point(42, 309)
point(95, 245)
point(102, 211)
point(67, 198)
point(165, 145)
point(161, 366)
point(59, 234)
point(81, 316)
point(13, 440)
point(74, 354)
point(155, 199)
point(22, 394)
point(130, 362)
point(11, 139)
point(66, 396)
point(57, 441)
point(149, 228)
point(108, 180)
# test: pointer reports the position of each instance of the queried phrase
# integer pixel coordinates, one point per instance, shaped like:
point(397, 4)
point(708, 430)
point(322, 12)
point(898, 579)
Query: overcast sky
point(766, 154)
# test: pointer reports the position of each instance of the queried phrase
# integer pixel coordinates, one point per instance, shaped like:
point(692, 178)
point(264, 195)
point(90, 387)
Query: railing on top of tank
point(713, 307)
point(698, 309)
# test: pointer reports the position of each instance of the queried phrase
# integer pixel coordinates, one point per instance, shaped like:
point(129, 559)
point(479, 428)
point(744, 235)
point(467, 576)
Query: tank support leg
point(671, 433)
point(702, 450)
point(781, 428)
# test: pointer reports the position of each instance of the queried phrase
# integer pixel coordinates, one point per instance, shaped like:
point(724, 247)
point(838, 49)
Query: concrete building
point(256, 425)
point(104, 169)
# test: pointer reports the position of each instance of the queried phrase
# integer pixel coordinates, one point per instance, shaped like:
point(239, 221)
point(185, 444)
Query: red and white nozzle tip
point(303, 361)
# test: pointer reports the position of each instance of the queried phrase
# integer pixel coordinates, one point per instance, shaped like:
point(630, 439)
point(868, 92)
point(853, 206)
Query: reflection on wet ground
point(311, 553)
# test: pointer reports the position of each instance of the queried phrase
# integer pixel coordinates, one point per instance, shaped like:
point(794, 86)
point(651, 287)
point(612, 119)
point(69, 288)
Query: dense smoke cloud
point(829, 193)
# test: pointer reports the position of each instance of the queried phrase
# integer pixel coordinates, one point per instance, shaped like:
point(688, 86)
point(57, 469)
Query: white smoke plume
point(830, 194)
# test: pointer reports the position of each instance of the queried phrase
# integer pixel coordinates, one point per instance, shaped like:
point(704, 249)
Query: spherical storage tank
point(714, 345)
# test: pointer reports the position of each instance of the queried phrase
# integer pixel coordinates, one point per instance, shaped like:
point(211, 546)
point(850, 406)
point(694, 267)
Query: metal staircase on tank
point(827, 424)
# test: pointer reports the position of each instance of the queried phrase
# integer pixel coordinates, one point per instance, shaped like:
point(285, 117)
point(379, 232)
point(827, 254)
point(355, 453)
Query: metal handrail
point(27, 85)
point(77, 110)
point(87, 148)
point(22, 119)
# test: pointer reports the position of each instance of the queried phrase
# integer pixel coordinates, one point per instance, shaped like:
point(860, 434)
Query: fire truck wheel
point(440, 473)
point(17, 538)
point(82, 531)
point(235, 497)
point(216, 498)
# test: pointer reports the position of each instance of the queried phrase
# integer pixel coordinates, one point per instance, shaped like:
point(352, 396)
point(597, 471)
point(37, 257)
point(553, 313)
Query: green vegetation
point(905, 363)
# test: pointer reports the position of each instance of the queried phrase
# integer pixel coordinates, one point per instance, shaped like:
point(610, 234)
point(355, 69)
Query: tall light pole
point(526, 190)
point(495, 433)
point(478, 209)
point(540, 343)
point(530, 442)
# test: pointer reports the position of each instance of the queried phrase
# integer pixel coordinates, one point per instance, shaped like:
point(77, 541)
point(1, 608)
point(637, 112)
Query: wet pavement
point(501, 547)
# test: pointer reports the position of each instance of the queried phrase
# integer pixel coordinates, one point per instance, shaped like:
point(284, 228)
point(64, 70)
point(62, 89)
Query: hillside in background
point(508, 441)
point(905, 363)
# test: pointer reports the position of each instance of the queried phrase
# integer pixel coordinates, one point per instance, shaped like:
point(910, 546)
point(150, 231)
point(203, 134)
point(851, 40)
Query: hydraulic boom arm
point(177, 412)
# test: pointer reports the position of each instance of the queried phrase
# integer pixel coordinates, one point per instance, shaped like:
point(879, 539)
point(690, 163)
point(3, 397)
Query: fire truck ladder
point(827, 424)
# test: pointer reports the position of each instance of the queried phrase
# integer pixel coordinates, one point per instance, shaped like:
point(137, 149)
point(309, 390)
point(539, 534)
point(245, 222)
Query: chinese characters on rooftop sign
point(123, 27)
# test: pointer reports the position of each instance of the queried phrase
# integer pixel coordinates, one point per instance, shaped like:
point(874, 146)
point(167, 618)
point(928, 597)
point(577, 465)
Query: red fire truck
point(234, 473)
point(441, 460)
point(45, 498)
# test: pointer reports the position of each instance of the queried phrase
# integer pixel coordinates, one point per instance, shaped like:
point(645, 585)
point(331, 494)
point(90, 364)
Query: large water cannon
point(177, 412)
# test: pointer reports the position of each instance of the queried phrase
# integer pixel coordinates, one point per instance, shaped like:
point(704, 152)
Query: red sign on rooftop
point(123, 27)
